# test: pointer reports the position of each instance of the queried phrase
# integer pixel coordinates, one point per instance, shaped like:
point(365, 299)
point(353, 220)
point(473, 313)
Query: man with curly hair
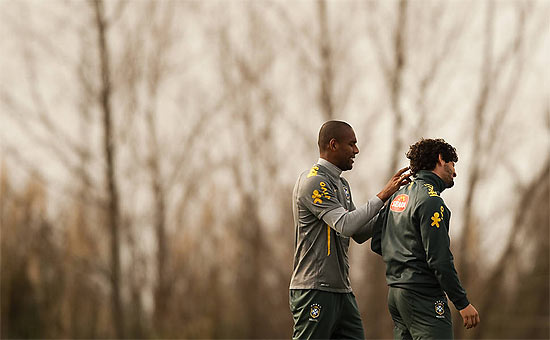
point(412, 235)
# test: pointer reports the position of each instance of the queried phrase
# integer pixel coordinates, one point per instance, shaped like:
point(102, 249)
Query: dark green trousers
point(324, 315)
point(417, 316)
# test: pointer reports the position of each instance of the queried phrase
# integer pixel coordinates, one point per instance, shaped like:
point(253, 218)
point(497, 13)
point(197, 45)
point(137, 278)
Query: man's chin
point(347, 166)
point(450, 184)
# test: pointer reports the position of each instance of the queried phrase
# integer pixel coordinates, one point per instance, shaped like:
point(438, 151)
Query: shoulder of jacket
point(427, 200)
point(315, 171)
point(315, 177)
point(426, 189)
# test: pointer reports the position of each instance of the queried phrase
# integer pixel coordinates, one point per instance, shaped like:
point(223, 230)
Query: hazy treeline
point(149, 150)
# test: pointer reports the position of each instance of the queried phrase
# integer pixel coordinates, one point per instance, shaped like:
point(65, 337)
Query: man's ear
point(332, 144)
point(441, 161)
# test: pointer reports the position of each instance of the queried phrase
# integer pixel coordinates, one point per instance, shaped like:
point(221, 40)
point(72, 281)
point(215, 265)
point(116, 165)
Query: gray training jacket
point(324, 220)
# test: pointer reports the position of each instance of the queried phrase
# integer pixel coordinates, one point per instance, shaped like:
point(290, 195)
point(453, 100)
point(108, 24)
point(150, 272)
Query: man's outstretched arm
point(359, 223)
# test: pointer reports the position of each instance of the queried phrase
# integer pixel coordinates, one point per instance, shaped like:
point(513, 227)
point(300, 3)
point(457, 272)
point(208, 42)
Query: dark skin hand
point(470, 316)
point(396, 182)
point(342, 153)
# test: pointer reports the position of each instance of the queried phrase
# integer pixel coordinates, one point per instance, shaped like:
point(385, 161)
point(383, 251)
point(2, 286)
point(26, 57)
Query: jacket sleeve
point(318, 196)
point(379, 223)
point(434, 230)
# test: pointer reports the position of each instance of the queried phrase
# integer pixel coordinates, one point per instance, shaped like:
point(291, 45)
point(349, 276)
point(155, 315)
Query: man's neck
point(435, 179)
point(330, 166)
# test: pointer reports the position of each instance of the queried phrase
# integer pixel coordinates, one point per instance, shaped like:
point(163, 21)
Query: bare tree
point(324, 55)
point(213, 202)
point(157, 67)
point(102, 27)
point(531, 194)
point(254, 109)
point(326, 74)
point(434, 43)
point(488, 121)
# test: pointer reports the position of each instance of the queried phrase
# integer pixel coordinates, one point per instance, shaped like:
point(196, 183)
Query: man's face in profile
point(449, 174)
point(346, 149)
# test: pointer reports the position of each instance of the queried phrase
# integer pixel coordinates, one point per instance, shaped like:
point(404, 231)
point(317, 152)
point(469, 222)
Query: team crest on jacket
point(399, 203)
point(439, 309)
point(346, 191)
point(315, 311)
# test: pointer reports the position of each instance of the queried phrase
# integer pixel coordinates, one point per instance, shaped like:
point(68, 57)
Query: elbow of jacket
point(341, 225)
point(439, 267)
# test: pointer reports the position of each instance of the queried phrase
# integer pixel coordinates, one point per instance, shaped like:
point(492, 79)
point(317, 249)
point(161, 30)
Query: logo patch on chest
point(399, 203)
point(346, 191)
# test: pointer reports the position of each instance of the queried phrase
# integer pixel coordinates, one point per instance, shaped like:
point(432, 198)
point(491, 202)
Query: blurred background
point(149, 150)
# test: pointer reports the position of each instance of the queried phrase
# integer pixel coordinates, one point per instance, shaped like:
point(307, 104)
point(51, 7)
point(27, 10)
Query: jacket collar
point(332, 169)
point(433, 179)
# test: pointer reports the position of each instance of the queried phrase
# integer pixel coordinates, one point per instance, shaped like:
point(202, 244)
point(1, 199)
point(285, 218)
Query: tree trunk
point(326, 73)
point(395, 79)
point(109, 149)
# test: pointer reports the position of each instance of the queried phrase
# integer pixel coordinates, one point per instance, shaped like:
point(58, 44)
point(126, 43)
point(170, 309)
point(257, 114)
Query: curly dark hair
point(424, 154)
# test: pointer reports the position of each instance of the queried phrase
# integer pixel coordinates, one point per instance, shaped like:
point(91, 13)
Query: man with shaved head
point(321, 299)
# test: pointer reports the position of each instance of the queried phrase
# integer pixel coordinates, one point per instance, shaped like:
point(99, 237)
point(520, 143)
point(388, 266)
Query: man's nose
point(356, 151)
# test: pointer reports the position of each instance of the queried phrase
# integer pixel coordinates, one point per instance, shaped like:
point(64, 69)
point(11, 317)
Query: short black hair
point(329, 130)
point(424, 154)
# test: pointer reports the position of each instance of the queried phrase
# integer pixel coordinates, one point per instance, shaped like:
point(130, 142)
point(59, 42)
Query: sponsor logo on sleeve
point(436, 219)
point(317, 195)
point(399, 203)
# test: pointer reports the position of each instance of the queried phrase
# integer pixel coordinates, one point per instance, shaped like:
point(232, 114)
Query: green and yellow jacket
point(411, 233)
